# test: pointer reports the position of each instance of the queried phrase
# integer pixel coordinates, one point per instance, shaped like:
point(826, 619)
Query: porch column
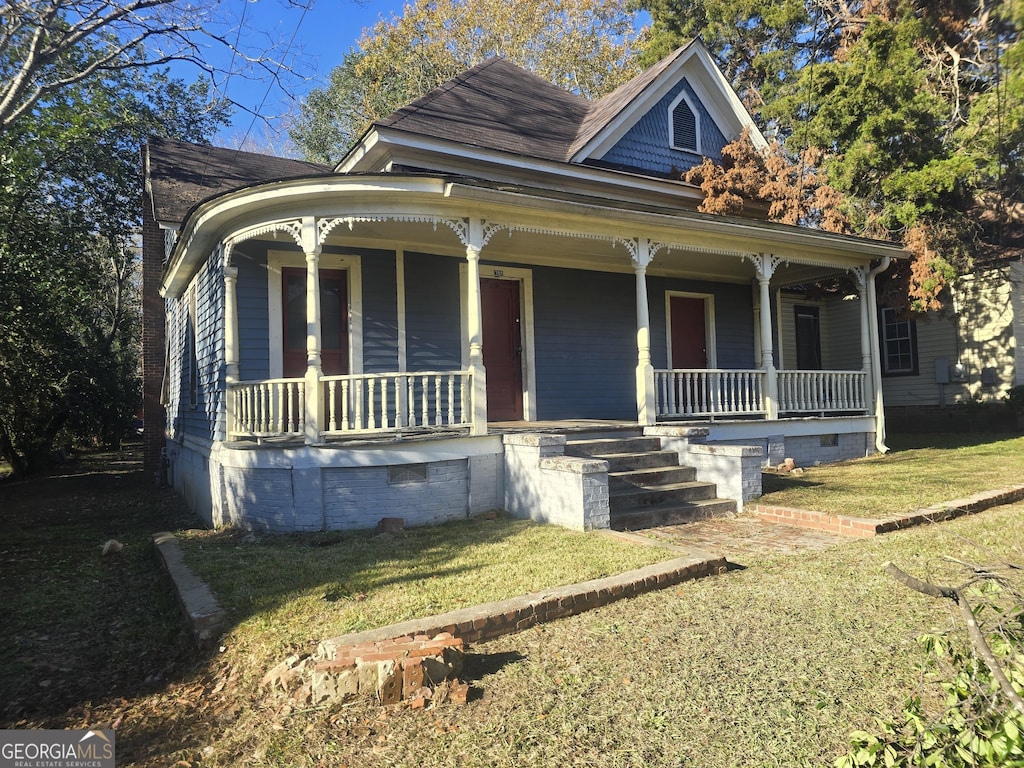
point(875, 364)
point(474, 323)
point(646, 395)
point(860, 276)
point(765, 265)
point(314, 413)
point(230, 345)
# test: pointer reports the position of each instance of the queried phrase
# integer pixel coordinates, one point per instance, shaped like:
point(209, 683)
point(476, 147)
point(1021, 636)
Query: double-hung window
point(899, 344)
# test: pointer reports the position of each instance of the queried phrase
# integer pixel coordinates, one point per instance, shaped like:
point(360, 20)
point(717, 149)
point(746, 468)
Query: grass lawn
point(340, 583)
point(918, 471)
point(770, 665)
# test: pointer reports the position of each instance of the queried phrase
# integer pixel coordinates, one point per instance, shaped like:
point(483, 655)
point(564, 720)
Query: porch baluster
point(370, 410)
point(410, 406)
point(332, 406)
point(424, 406)
point(384, 422)
point(437, 401)
point(358, 397)
point(451, 399)
point(344, 404)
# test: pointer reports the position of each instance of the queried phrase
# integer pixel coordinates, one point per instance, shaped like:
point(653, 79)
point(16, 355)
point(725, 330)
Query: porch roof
point(591, 232)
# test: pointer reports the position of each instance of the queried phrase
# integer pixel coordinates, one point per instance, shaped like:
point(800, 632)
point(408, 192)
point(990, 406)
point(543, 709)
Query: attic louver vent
point(684, 127)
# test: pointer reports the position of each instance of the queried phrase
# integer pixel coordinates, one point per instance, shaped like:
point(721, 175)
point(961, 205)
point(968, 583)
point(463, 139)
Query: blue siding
point(253, 311)
point(432, 313)
point(203, 418)
point(647, 145)
point(734, 320)
point(585, 339)
point(380, 310)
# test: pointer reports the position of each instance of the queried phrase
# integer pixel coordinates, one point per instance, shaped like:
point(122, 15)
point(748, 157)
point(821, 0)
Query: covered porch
point(682, 370)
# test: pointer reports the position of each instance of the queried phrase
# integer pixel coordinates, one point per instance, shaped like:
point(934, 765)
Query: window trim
point(684, 96)
point(349, 262)
point(883, 340)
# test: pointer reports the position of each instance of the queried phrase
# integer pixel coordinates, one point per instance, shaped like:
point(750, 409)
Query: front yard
point(920, 470)
point(772, 664)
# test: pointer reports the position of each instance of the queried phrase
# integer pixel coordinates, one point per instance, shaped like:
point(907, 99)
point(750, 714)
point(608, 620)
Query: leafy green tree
point(585, 46)
point(70, 188)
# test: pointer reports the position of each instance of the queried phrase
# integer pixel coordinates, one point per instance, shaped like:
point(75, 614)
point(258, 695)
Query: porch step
point(647, 487)
point(667, 494)
point(612, 445)
point(652, 517)
point(649, 477)
point(626, 462)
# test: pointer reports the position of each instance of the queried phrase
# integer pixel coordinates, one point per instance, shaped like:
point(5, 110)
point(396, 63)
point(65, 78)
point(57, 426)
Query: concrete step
point(660, 495)
point(612, 445)
point(650, 476)
point(652, 517)
point(624, 462)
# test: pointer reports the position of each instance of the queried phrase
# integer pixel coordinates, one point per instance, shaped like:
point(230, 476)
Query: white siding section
point(987, 321)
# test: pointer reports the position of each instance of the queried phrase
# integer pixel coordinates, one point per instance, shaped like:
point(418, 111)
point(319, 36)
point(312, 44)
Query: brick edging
point(491, 620)
point(863, 527)
point(202, 611)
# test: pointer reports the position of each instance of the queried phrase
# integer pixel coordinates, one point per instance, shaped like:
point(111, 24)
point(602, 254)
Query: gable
point(652, 144)
point(636, 127)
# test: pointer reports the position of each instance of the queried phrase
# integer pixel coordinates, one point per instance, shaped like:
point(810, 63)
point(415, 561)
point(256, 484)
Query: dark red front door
point(503, 349)
point(333, 321)
point(689, 332)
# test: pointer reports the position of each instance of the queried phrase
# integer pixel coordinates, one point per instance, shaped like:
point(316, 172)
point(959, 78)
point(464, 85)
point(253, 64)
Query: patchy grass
point(770, 665)
point(293, 591)
point(920, 470)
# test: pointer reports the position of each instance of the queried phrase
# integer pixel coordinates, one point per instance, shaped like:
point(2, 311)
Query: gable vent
point(684, 127)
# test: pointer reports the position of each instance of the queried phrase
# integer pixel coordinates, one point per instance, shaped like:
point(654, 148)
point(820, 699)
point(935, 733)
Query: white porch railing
point(709, 392)
point(822, 391)
point(267, 408)
point(387, 402)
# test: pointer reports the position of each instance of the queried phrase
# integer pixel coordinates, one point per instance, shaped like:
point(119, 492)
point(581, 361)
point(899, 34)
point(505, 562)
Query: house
point(502, 297)
point(935, 366)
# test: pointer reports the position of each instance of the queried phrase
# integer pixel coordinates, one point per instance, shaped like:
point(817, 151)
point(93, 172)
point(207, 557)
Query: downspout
point(876, 370)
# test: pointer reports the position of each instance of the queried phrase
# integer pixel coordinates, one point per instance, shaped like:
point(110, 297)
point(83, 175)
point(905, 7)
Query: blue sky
point(318, 40)
point(312, 42)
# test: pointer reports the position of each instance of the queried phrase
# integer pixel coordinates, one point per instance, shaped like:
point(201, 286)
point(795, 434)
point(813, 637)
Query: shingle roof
point(498, 105)
point(181, 174)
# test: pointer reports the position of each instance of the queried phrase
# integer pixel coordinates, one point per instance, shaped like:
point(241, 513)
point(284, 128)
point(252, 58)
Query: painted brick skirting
point(863, 527)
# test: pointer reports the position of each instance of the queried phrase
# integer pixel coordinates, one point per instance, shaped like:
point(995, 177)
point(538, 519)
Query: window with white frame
point(684, 125)
point(899, 344)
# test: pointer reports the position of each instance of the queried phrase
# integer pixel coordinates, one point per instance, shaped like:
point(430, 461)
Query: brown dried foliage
point(795, 193)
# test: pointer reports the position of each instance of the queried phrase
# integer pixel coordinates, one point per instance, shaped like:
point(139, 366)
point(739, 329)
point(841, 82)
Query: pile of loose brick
point(417, 669)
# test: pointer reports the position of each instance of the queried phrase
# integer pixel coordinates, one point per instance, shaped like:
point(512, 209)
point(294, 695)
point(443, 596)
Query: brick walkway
point(737, 537)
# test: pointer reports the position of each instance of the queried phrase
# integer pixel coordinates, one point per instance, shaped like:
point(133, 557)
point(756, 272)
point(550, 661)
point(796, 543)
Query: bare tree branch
point(977, 638)
point(48, 45)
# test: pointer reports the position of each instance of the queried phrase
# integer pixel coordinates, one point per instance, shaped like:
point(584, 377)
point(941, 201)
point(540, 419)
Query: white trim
point(527, 329)
point(684, 96)
point(353, 265)
point(711, 349)
point(353, 455)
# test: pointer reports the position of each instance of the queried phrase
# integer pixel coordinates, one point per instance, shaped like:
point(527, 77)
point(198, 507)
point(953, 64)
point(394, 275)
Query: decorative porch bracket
point(765, 265)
